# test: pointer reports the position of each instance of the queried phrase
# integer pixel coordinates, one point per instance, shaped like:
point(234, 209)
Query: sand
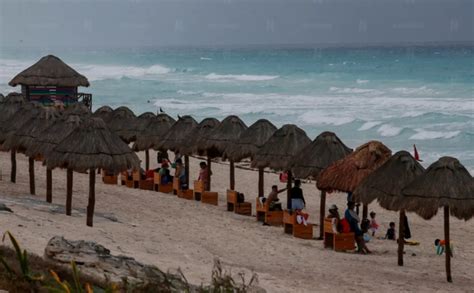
point(171, 233)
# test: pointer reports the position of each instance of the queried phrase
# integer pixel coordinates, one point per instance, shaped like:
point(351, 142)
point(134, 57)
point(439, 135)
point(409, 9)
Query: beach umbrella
point(141, 125)
point(122, 122)
point(91, 146)
point(226, 133)
point(324, 150)
point(249, 142)
point(46, 141)
point(104, 112)
point(10, 105)
point(445, 184)
point(77, 109)
point(347, 173)
point(385, 185)
point(278, 152)
point(24, 137)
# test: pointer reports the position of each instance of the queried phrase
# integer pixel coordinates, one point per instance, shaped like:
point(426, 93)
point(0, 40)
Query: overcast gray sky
point(132, 23)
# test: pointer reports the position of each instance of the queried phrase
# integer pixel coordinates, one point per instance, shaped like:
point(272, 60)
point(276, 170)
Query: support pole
point(147, 159)
point(91, 204)
point(288, 191)
point(208, 187)
point(261, 182)
point(448, 244)
point(186, 170)
point(232, 175)
point(322, 214)
point(365, 211)
point(13, 159)
point(69, 192)
point(401, 237)
point(31, 168)
point(49, 185)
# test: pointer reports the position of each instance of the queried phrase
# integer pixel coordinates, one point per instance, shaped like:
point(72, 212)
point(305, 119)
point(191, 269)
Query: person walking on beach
point(297, 198)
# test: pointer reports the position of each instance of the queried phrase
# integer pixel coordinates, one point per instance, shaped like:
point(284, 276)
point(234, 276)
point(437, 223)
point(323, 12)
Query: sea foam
point(427, 134)
point(240, 77)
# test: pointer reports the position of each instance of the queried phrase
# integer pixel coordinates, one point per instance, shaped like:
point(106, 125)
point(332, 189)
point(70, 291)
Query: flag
point(416, 155)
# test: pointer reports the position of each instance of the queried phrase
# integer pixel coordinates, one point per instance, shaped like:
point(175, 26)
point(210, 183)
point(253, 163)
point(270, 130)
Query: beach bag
point(240, 197)
point(345, 227)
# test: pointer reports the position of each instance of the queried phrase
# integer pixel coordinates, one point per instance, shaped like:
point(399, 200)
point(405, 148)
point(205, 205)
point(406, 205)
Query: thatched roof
point(346, 174)
point(122, 122)
point(24, 137)
point(50, 137)
point(77, 109)
point(10, 105)
point(250, 141)
point(386, 183)
point(203, 129)
point(226, 133)
point(176, 135)
point(24, 113)
point(446, 182)
point(325, 149)
point(93, 145)
point(154, 131)
point(49, 71)
point(104, 112)
point(277, 153)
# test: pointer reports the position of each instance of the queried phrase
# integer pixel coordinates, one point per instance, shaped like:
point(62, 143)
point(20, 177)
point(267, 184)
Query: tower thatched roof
point(49, 71)
point(50, 137)
point(277, 153)
point(104, 113)
point(226, 133)
point(250, 141)
point(346, 174)
point(122, 122)
point(176, 135)
point(446, 182)
point(155, 130)
point(92, 145)
point(202, 130)
point(325, 149)
point(386, 183)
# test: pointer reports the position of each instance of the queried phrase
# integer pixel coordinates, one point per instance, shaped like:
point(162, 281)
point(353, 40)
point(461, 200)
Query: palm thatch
point(154, 131)
point(122, 122)
point(77, 109)
point(325, 149)
point(202, 130)
point(446, 183)
point(346, 174)
point(10, 105)
point(277, 153)
point(142, 122)
point(176, 135)
point(21, 116)
point(92, 146)
point(250, 141)
point(104, 112)
point(386, 183)
point(53, 135)
point(24, 137)
point(50, 71)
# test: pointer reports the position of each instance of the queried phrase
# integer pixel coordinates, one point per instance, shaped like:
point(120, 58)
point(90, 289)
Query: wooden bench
point(338, 242)
point(291, 226)
point(272, 218)
point(125, 181)
point(136, 179)
point(231, 200)
point(198, 189)
point(210, 197)
point(244, 208)
point(147, 184)
point(176, 185)
point(186, 194)
point(109, 179)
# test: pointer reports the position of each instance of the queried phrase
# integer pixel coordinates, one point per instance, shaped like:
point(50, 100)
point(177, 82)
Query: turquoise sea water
point(401, 96)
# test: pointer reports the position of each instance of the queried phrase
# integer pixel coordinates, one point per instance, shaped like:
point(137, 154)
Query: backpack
point(345, 227)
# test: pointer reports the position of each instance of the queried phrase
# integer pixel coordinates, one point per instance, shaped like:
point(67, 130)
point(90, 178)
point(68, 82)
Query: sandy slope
point(169, 232)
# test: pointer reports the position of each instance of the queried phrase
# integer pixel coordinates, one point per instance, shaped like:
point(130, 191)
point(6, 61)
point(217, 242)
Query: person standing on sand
point(297, 198)
point(204, 175)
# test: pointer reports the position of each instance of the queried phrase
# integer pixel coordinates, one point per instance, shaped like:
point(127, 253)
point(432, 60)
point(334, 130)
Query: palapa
point(141, 125)
point(385, 185)
point(447, 184)
point(50, 71)
point(202, 130)
point(77, 109)
point(122, 122)
point(9, 106)
point(104, 112)
point(176, 135)
point(89, 147)
point(153, 132)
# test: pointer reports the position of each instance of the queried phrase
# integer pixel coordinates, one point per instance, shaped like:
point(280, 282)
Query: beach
point(171, 233)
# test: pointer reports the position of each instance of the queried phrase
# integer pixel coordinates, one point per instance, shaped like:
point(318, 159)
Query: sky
point(212, 23)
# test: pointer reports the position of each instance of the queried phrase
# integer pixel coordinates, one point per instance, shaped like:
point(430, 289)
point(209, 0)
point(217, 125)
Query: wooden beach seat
point(165, 188)
point(176, 186)
point(291, 226)
point(210, 197)
point(231, 200)
point(243, 208)
point(125, 180)
point(272, 218)
point(146, 184)
point(186, 194)
point(109, 179)
point(136, 178)
point(198, 189)
point(338, 242)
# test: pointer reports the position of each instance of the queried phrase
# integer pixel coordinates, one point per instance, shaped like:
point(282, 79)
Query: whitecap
point(101, 72)
point(206, 58)
point(339, 90)
point(369, 125)
point(423, 90)
point(318, 118)
point(361, 81)
point(428, 134)
point(241, 77)
point(389, 130)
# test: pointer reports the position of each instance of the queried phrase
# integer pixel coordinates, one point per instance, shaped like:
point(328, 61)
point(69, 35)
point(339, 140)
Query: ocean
point(399, 95)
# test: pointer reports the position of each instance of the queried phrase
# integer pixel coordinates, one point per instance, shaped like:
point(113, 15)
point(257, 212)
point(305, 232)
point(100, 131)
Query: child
point(441, 247)
point(374, 226)
point(391, 232)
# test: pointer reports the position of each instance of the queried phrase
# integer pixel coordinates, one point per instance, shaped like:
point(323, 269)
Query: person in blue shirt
point(353, 219)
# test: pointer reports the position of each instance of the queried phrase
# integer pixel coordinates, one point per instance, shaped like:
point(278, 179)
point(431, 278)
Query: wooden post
point(365, 211)
point(69, 192)
point(147, 159)
point(91, 204)
point(401, 237)
point(186, 169)
point(208, 188)
point(448, 244)
point(13, 159)
point(49, 185)
point(232, 175)
point(31, 168)
point(288, 191)
point(260, 182)
point(322, 214)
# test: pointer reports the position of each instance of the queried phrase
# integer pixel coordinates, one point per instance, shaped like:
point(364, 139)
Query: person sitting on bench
point(180, 173)
point(165, 173)
point(203, 175)
point(353, 219)
point(272, 199)
point(335, 219)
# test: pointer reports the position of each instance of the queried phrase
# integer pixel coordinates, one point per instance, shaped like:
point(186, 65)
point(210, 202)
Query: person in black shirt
point(297, 198)
point(391, 234)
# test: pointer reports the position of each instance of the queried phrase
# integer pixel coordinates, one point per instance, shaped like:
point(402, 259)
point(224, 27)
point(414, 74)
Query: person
point(180, 173)
point(161, 156)
point(204, 174)
point(177, 156)
point(374, 226)
point(297, 198)
point(351, 216)
point(165, 173)
point(391, 233)
point(335, 219)
point(440, 246)
point(272, 200)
